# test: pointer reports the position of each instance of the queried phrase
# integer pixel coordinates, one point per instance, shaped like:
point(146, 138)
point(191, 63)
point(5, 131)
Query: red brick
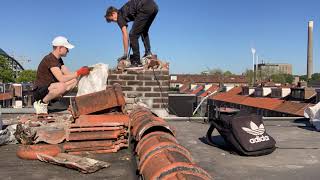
point(143, 77)
point(122, 83)
point(164, 94)
point(152, 95)
point(151, 83)
point(115, 72)
point(135, 83)
point(134, 71)
point(143, 89)
point(164, 105)
point(163, 100)
point(127, 77)
point(126, 88)
point(156, 72)
point(162, 89)
point(162, 78)
point(133, 94)
point(156, 106)
point(165, 83)
point(113, 77)
point(150, 72)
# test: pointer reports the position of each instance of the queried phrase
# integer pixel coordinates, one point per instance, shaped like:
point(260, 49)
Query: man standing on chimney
point(142, 13)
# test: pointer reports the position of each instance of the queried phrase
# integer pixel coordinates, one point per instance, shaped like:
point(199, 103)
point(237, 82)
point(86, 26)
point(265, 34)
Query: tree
point(227, 74)
point(303, 78)
point(216, 71)
point(289, 78)
point(27, 76)
point(249, 75)
point(282, 78)
point(6, 72)
point(315, 77)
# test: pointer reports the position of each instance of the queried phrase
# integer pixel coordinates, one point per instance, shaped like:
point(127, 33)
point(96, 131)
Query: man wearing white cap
point(53, 78)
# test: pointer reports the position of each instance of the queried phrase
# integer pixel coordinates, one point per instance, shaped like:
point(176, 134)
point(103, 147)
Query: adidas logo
point(256, 131)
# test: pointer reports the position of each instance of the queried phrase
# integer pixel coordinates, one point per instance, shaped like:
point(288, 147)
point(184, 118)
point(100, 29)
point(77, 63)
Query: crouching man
point(53, 78)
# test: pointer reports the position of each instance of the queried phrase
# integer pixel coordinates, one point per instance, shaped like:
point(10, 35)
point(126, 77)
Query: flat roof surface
point(297, 158)
point(11, 167)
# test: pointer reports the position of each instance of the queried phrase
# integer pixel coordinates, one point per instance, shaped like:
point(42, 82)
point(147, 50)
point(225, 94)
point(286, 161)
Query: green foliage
point(315, 77)
point(249, 75)
point(274, 75)
point(217, 72)
point(6, 72)
point(27, 76)
point(303, 78)
point(289, 78)
point(227, 73)
point(174, 89)
point(282, 78)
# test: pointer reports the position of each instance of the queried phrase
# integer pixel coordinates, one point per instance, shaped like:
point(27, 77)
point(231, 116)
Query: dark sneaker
point(147, 55)
point(136, 65)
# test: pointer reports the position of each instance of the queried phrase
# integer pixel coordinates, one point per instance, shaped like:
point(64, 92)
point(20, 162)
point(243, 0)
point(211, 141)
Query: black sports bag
point(245, 134)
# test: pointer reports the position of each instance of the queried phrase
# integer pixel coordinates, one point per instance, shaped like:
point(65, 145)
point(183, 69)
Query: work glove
point(124, 57)
point(83, 71)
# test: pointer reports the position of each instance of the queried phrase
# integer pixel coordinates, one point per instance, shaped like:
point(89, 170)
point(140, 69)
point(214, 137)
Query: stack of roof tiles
point(160, 156)
point(99, 125)
point(97, 134)
point(104, 125)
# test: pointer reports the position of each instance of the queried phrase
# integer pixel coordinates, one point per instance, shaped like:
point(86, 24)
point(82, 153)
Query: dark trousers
point(140, 27)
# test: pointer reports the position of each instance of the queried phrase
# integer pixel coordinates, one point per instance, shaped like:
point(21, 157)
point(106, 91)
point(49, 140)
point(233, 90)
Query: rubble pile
point(97, 124)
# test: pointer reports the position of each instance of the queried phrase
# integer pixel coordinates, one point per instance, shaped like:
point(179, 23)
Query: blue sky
point(191, 35)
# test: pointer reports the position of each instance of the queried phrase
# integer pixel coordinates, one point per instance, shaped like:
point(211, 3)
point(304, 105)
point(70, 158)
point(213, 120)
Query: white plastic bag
point(314, 114)
point(95, 81)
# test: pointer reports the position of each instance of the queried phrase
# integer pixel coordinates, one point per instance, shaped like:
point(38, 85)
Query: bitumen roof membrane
point(298, 157)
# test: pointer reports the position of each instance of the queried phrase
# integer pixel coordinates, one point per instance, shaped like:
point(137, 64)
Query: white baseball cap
point(62, 41)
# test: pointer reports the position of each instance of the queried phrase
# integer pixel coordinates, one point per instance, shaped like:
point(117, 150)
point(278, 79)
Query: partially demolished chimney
point(310, 50)
point(146, 86)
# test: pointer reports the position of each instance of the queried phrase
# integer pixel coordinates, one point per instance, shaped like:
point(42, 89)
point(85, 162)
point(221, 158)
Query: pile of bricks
point(148, 86)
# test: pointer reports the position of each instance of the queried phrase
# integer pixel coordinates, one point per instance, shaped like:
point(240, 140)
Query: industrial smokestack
point(310, 50)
